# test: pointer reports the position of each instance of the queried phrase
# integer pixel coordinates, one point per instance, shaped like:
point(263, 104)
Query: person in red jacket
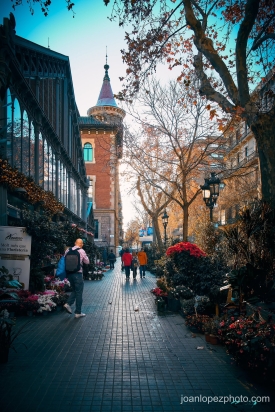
point(127, 262)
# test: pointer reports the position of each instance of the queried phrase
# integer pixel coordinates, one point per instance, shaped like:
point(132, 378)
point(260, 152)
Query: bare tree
point(228, 44)
point(175, 144)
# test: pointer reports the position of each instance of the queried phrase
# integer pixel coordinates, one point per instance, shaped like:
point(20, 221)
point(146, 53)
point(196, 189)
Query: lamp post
point(210, 192)
point(165, 218)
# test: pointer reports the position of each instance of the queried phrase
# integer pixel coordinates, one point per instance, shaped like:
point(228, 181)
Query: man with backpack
point(74, 259)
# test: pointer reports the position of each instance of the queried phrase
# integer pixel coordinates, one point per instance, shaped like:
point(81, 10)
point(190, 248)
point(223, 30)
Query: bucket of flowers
point(30, 304)
point(250, 340)
point(46, 302)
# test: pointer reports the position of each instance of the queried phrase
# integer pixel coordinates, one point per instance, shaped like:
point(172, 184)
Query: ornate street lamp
point(165, 218)
point(210, 192)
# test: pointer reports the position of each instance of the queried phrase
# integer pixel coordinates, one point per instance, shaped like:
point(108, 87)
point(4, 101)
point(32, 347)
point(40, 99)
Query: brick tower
point(101, 135)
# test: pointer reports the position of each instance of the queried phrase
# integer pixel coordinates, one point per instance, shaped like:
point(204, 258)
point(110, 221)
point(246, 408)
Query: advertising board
point(15, 250)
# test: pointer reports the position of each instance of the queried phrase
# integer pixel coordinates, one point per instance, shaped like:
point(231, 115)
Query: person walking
point(143, 259)
point(76, 280)
point(122, 251)
point(135, 264)
point(104, 257)
point(112, 259)
point(127, 262)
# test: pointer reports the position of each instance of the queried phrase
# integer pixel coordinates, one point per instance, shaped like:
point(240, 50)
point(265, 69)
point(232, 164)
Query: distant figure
point(112, 259)
point(121, 254)
point(104, 257)
point(135, 264)
point(76, 281)
point(143, 259)
point(127, 262)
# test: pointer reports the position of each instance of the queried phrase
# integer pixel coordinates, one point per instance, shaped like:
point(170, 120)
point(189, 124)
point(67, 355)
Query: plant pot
point(214, 340)
point(160, 305)
point(173, 304)
point(207, 337)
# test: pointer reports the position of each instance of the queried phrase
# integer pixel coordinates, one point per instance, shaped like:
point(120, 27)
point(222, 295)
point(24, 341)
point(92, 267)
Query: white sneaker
point(68, 308)
point(79, 315)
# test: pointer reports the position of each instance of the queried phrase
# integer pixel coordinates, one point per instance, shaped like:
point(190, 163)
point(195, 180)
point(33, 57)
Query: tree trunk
point(185, 222)
point(157, 231)
point(264, 132)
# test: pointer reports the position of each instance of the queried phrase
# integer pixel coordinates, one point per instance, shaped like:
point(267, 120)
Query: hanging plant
point(13, 179)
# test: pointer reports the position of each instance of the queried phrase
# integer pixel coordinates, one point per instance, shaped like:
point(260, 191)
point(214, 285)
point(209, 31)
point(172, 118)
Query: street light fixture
point(210, 191)
point(165, 218)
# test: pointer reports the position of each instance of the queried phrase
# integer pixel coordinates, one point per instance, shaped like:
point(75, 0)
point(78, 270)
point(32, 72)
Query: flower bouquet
point(46, 301)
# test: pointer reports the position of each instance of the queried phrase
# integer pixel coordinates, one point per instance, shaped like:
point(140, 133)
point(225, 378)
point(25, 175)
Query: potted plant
point(7, 336)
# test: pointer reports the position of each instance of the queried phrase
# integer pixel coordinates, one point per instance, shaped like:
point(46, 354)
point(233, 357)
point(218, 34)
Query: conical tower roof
point(106, 96)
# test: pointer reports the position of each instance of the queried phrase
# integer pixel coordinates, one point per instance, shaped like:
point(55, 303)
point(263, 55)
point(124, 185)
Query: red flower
point(193, 249)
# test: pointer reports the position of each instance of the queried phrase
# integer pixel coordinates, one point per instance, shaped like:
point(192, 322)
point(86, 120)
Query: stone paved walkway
point(120, 359)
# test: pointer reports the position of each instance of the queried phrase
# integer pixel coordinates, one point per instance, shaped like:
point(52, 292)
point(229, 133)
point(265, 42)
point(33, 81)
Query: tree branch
point(251, 11)
point(258, 43)
point(205, 46)
point(206, 88)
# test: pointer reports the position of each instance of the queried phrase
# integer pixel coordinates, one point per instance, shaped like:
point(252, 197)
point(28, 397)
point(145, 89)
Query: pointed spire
point(106, 96)
point(106, 67)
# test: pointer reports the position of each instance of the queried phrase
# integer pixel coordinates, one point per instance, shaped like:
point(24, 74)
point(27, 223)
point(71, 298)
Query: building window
point(96, 229)
point(88, 152)
point(246, 151)
point(222, 217)
point(90, 190)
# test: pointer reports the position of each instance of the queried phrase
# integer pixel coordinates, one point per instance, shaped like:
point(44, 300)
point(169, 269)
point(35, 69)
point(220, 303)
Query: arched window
point(32, 151)
point(88, 152)
point(41, 161)
point(9, 127)
point(26, 145)
point(46, 166)
point(17, 132)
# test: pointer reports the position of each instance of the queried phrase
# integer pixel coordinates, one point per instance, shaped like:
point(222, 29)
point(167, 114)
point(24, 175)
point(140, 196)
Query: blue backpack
point(60, 270)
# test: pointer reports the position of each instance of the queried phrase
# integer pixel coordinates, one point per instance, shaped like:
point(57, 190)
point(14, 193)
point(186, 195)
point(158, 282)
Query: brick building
point(101, 135)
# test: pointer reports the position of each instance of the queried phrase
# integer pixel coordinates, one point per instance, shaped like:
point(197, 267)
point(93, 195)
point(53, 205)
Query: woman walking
point(127, 261)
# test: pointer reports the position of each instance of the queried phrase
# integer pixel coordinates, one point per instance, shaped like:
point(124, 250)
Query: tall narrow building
point(102, 135)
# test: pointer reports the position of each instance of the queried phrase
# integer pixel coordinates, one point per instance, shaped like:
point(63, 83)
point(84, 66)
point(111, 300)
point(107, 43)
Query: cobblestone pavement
point(119, 358)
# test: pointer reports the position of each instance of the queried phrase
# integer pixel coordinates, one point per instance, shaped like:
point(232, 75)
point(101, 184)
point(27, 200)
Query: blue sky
point(83, 38)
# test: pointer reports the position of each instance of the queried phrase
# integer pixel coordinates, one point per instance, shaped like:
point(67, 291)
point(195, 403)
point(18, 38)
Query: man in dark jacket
point(112, 259)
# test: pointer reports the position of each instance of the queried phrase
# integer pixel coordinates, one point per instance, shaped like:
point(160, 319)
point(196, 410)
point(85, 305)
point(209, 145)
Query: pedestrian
point(135, 264)
point(142, 258)
point(127, 261)
point(104, 257)
point(121, 254)
point(112, 259)
point(76, 280)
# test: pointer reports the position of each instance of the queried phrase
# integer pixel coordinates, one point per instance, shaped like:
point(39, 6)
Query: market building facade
point(40, 135)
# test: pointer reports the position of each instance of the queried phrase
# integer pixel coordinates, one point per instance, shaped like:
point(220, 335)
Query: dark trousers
point(127, 271)
point(112, 264)
point(142, 270)
point(77, 285)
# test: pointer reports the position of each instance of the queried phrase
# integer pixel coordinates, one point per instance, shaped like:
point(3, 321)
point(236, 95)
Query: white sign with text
point(15, 250)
